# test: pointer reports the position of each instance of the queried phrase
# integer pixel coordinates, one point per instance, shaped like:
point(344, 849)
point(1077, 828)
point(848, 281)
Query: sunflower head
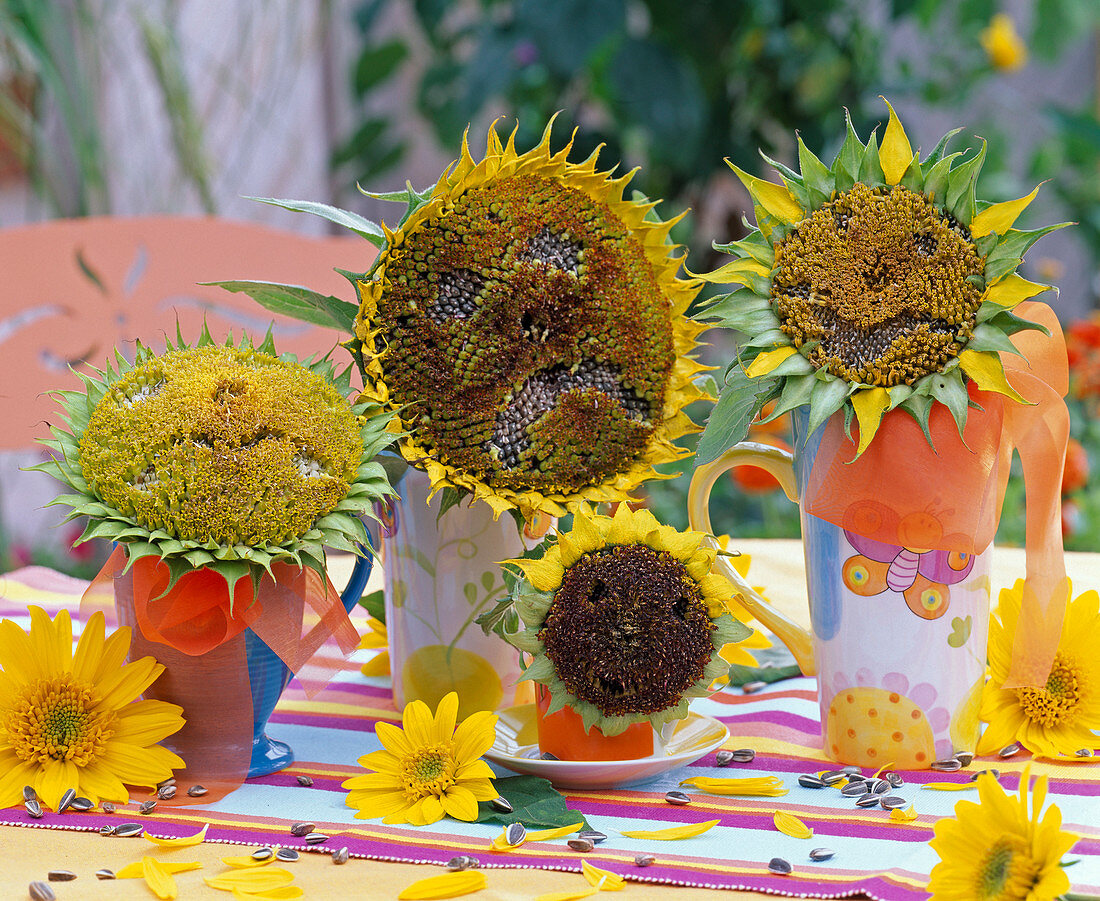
point(874, 283)
point(624, 619)
point(526, 325)
point(226, 457)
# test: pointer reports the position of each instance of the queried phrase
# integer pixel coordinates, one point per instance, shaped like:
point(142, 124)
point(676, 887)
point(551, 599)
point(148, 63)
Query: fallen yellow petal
point(449, 885)
point(791, 825)
point(545, 835)
point(769, 786)
point(286, 893)
point(903, 816)
point(602, 880)
point(950, 786)
point(885, 766)
point(251, 881)
point(134, 870)
point(247, 861)
point(568, 896)
point(185, 842)
point(674, 833)
point(158, 879)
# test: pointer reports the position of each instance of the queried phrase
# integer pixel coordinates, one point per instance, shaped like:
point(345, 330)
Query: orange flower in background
point(1075, 474)
point(1083, 350)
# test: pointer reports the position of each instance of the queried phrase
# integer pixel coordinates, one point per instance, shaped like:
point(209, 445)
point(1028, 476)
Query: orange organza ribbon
point(902, 492)
point(190, 630)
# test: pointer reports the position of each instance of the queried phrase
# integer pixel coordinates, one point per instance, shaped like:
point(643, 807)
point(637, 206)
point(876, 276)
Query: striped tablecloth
point(882, 859)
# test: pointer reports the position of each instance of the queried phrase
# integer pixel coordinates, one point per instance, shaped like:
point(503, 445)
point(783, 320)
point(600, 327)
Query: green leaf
point(740, 674)
point(846, 164)
point(827, 397)
point(796, 393)
point(1009, 252)
point(755, 247)
point(870, 167)
point(376, 64)
point(351, 221)
point(728, 423)
point(935, 179)
point(961, 186)
point(297, 302)
point(535, 803)
point(919, 406)
point(987, 337)
point(948, 389)
point(449, 497)
point(375, 604)
point(938, 151)
point(819, 180)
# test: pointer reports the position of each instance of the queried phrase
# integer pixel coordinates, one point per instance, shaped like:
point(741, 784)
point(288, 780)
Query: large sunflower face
point(527, 327)
point(877, 283)
point(624, 619)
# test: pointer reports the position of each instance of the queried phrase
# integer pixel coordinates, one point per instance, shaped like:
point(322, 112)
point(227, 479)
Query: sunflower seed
point(263, 853)
point(867, 800)
point(583, 845)
point(104, 874)
point(644, 860)
point(964, 757)
point(820, 854)
point(779, 866)
point(515, 834)
point(879, 786)
point(300, 829)
point(167, 793)
point(1009, 750)
point(340, 856)
point(750, 688)
point(306, 782)
point(147, 808)
point(950, 765)
point(287, 855)
point(996, 774)
point(1083, 752)
point(837, 778)
point(82, 804)
point(66, 800)
point(171, 780)
point(890, 802)
point(40, 891)
point(196, 791)
point(29, 793)
point(852, 770)
point(463, 862)
point(808, 781)
point(744, 755)
point(129, 830)
point(107, 830)
point(895, 779)
point(501, 804)
point(677, 798)
point(854, 789)
point(723, 758)
point(34, 809)
point(61, 875)
point(546, 755)
point(108, 807)
point(316, 838)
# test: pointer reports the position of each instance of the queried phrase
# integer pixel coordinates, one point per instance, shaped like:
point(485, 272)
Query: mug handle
point(780, 464)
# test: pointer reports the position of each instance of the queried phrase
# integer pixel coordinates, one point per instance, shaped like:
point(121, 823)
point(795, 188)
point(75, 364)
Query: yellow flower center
point(1058, 699)
point(58, 719)
point(878, 286)
point(1007, 872)
point(429, 770)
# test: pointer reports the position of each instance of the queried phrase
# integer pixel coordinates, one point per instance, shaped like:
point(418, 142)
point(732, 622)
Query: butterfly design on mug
point(922, 577)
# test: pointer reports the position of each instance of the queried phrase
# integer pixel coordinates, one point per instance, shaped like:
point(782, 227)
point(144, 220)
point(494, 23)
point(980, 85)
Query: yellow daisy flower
point(429, 769)
point(874, 283)
point(1061, 717)
point(624, 619)
point(996, 851)
point(72, 720)
point(377, 637)
point(526, 325)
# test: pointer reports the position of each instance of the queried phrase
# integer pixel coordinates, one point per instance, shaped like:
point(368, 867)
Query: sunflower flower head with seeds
point(876, 283)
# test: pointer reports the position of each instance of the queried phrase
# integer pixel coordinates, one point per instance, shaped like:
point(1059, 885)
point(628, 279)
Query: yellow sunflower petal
point(545, 835)
point(286, 893)
point(604, 880)
point(158, 879)
point(544, 574)
point(674, 833)
point(774, 199)
point(258, 880)
point(135, 871)
point(1000, 217)
point(768, 360)
point(1012, 290)
point(735, 272)
point(897, 815)
point(895, 154)
point(378, 665)
point(248, 862)
point(568, 896)
point(767, 786)
point(950, 786)
point(184, 842)
point(448, 885)
point(791, 825)
point(869, 405)
point(985, 368)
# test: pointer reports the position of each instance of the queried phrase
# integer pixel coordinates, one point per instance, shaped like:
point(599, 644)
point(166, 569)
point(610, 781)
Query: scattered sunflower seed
point(301, 829)
point(167, 793)
point(287, 855)
point(82, 804)
point(34, 809)
point(463, 862)
point(895, 779)
point(964, 757)
point(820, 854)
point(29, 794)
point(1009, 750)
point(316, 838)
point(108, 807)
point(107, 830)
point(1083, 752)
point(104, 874)
point(171, 780)
point(644, 860)
point(583, 845)
point(867, 800)
point(340, 856)
point(996, 774)
point(197, 791)
point(831, 776)
point(950, 765)
point(41, 891)
point(263, 853)
point(61, 876)
point(66, 800)
point(779, 866)
point(880, 786)
point(854, 789)
point(750, 688)
point(515, 834)
point(677, 798)
point(723, 758)
point(147, 808)
point(808, 781)
point(891, 802)
point(304, 781)
point(129, 830)
point(501, 804)
point(851, 770)
point(743, 755)
point(594, 834)
point(546, 755)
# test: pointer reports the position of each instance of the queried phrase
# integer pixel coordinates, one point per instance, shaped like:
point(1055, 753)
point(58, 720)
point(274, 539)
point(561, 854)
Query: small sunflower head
point(526, 325)
point(624, 619)
point(877, 282)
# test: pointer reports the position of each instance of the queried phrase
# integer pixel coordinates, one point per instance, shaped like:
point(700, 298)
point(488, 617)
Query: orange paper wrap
point(901, 491)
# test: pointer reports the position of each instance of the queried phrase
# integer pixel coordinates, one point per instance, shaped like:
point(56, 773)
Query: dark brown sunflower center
point(526, 337)
point(628, 630)
point(881, 284)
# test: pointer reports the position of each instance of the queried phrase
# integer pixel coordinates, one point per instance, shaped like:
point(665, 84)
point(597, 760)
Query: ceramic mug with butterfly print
point(898, 634)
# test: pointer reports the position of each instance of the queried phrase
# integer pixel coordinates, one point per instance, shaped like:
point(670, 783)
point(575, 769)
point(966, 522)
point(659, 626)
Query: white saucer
point(517, 736)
